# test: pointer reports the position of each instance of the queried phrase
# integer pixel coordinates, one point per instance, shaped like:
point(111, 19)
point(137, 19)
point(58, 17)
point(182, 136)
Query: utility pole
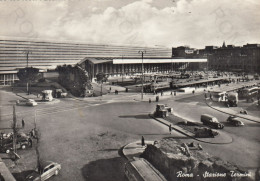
point(142, 91)
point(101, 87)
point(37, 134)
point(27, 57)
point(27, 65)
point(14, 129)
point(122, 68)
point(172, 66)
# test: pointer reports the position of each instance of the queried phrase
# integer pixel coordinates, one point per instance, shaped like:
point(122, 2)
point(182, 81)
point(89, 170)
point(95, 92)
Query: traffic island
point(231, 112)
point(188, 130)
point(181, 161)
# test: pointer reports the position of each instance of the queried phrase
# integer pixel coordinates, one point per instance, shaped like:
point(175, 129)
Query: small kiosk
point(47, 95)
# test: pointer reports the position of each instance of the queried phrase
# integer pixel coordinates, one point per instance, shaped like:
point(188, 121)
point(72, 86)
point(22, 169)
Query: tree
point(75, 79)
point(101, 77)
point(28, 74)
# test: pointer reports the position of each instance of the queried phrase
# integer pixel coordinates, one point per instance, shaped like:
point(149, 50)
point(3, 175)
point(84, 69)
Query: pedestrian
point(170, 129)
point(161, 93)
point(23, 123)
point(143, 143)
point(150, 100)
point(174, 93)
point(30, 142)
point(157, 98)
point(33, 133)
point(171, 92)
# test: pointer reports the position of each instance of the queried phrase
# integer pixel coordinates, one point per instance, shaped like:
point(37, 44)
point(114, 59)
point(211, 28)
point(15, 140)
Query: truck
point(211, 121)
point(232, 99)
point(162, 110)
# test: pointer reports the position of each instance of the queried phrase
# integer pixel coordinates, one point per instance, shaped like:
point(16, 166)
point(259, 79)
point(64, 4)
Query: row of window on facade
point(8, 79)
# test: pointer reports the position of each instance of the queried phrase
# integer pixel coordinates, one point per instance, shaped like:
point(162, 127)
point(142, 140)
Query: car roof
point(47, 163)
point(234, 118)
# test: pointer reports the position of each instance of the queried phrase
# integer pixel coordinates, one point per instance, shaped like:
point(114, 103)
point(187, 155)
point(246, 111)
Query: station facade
point(130, 66)
point(117, 60)
point(47, 55)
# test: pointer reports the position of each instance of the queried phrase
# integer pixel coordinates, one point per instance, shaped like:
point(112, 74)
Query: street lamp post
point(27, 57)
point(27, 65)
point(122, 68)
point(36, 132)
point(142, 91)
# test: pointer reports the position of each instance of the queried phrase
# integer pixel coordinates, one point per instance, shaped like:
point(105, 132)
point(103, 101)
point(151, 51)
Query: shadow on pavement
point(105, 169)
point(227, 124)
point(141, 116)
point(109, 150)
point(252, 125)
point(21, 176)
point(154, 134)
point(177, 137)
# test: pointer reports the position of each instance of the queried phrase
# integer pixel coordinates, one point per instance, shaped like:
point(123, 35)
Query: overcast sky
point(166, 23)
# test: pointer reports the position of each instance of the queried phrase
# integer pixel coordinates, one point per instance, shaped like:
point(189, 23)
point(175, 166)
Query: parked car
point(48, 170)
point(6, 148)
point(235, 121)
point(31, 102)
point(22, 142)
point(205, 133)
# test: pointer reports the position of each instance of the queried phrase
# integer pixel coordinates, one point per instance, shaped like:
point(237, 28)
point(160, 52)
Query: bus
point(154, 87)
point(249, 93)
point(218, 96)
point(141, 170)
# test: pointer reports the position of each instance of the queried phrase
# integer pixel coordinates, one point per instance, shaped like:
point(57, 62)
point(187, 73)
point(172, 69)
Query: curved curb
point(230, 113)
point(124, 147)
point(123, 150)
point(40, 101)
point(203, 141)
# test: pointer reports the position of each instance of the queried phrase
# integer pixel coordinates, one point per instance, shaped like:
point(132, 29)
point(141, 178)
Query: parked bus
point(141, 170)
point(218, 96)
point(249, 93)
point(154, 87)
point(232, 99)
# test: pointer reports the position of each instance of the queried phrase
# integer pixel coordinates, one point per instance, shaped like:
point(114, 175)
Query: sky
point(160, 23)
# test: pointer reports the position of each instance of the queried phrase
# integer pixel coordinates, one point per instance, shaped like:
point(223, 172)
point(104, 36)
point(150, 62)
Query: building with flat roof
point(95, 58)
point(235, 58)
point(47, 55)
point(130, 66)
point(225, 58)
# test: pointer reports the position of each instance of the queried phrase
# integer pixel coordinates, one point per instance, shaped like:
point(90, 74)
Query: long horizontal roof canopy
point(137, 61)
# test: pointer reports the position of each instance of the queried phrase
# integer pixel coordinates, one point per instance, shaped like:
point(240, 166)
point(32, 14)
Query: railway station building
point(110, 59)
point(133, 65)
